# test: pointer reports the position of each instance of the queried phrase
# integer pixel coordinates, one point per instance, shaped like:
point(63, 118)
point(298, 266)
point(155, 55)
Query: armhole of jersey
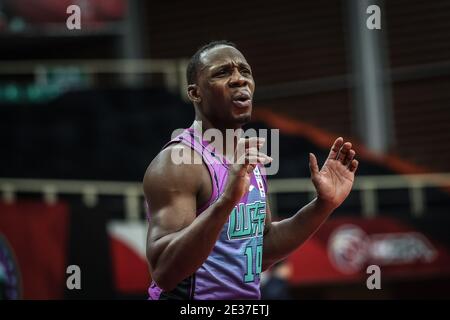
point(262, 170)
point(191, 295)
point(211, 172)
point(214, 182)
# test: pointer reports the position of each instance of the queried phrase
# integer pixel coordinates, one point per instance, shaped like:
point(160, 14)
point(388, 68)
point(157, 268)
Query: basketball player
point(210, 230)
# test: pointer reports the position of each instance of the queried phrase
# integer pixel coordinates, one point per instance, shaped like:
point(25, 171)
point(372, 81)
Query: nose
point(237, 80)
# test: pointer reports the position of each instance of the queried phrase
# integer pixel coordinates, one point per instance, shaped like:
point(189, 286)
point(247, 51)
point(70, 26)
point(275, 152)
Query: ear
point(193, 93)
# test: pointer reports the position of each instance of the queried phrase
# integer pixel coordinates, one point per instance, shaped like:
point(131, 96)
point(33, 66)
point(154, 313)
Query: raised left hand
point(334, 181)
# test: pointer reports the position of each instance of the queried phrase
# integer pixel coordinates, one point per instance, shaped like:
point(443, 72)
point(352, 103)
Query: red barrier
point(38, 236)
point(343, 248)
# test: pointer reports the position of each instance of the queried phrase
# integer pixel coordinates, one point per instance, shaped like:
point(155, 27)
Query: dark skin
point(223, 74)
point(178, 241)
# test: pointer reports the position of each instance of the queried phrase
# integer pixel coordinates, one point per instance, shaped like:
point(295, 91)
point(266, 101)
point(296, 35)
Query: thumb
point(313, 166)
point(250, 168)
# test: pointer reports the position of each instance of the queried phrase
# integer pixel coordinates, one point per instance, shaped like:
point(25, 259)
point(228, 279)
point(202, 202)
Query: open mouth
point(242, 100)
point(242, 103)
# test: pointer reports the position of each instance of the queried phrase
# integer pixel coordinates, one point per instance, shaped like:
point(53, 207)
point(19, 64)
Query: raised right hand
point(248, 156)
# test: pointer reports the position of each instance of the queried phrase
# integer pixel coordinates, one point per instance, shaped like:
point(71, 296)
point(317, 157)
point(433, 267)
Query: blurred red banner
point(343, 248)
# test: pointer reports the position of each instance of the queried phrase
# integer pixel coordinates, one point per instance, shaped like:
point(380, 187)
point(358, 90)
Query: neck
point(201, 124)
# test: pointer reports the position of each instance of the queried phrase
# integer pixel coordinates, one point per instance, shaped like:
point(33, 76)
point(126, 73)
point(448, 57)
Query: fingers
point(335, 148)
point(313, 166)
point(257, 158)
point(353, 165)
point(349, 157)
point(343, 152)
point(253, 156)
point(248, 161)
point(245, 144)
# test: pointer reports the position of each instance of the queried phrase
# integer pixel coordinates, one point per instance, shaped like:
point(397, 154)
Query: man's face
point(226, 87)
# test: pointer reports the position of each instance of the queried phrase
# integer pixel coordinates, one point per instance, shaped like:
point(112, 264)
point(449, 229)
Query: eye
point(221, 72)
point(246, 71)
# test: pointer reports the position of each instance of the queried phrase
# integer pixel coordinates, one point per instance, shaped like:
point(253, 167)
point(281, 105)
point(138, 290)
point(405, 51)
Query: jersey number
point(250, 254)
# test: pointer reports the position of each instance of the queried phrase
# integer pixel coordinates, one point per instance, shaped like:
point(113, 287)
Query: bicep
point(169, 214)
point(170, 192)
point(172, 215)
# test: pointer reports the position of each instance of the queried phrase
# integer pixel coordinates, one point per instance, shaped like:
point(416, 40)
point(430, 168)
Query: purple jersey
point(232, 270)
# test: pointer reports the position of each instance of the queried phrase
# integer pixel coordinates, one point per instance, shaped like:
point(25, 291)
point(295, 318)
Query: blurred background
point(84, 111)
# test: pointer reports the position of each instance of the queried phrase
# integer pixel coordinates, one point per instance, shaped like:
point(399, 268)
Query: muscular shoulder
point(168, 173)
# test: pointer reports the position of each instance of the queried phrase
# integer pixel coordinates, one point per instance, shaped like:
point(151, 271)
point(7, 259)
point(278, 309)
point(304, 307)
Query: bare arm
point(283, 237)
point(178, 241)
point(333, 183)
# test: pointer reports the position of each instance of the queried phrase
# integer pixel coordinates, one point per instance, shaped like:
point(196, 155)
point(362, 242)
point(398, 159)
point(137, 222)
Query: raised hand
point(334, 181)
point(247, 156)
